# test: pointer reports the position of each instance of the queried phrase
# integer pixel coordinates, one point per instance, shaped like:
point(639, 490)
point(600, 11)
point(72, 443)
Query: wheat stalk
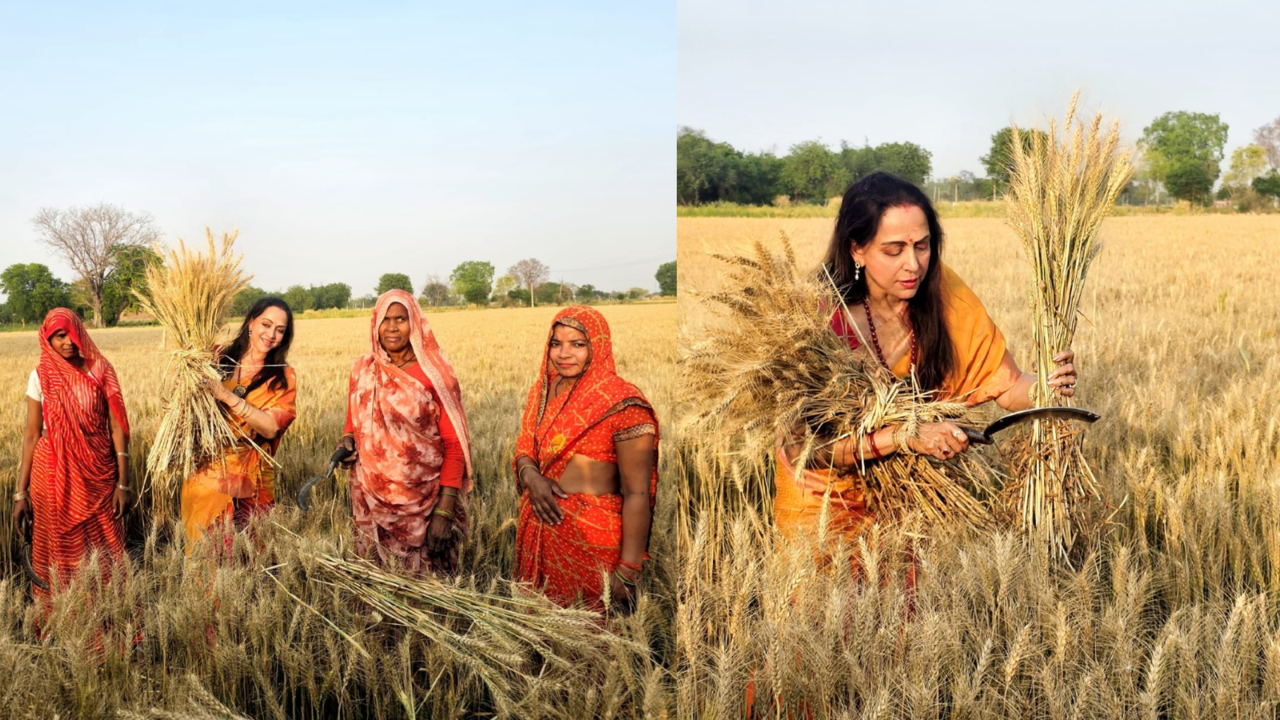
point(1060, 190)
point(190, 295)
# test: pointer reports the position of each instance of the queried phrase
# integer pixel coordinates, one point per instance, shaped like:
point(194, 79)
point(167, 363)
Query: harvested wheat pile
point(774, 368)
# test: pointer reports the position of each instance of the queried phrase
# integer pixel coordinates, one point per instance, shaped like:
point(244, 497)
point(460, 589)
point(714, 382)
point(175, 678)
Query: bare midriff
point(589, 476)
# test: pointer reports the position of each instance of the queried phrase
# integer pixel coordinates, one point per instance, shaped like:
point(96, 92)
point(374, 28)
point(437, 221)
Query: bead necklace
point(875, 341)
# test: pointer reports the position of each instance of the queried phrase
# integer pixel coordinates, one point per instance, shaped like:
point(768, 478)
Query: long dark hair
point(273, 366)
point(864, 204)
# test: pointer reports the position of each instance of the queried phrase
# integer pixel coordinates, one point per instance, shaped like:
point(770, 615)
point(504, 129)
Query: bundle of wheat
point(190, 294)
point(517, 642)
point(1060, 190)
point(773, 368)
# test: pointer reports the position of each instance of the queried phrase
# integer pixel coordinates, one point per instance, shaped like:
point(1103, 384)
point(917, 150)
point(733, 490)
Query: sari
point(571, 561)
point(412, 437)
point(74, 467)
point(984, 370)
point(241, 484)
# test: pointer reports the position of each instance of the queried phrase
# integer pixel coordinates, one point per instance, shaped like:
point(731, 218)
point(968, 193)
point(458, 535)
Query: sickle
point(304, 492)
point(984, 437)
point(25, 529)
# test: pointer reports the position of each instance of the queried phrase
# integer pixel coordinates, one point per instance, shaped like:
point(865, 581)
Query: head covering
point(75, 405)
point(598, 394)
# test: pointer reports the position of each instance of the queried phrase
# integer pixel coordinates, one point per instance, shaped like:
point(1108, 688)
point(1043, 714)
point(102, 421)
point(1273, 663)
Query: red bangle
point(630, 566)
point(871, 440)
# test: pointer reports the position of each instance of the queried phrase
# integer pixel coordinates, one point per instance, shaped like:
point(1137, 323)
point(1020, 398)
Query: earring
point(857, 271)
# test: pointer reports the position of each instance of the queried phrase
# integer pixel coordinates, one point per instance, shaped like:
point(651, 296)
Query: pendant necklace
point(240, 390)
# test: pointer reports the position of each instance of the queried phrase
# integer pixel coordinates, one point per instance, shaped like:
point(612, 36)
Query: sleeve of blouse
point(33, 387)
point(454, 463)
point(631, 423)
point(528, 422)
point(985, 368)
point(281, 405)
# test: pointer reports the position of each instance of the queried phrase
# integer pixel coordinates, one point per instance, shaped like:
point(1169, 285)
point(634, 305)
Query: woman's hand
point(349, 443)
point(220, 392)
point(20, 508)
point(439, 534)
point(1063, 378)
point(621, 595)
point(543, 492)
point(942, 440)
point(120, 502)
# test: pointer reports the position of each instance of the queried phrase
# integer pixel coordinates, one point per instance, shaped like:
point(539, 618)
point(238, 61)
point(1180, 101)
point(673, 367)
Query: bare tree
point(88, 239)
point(435, 292)
point(1268, 136)
point(529, 273)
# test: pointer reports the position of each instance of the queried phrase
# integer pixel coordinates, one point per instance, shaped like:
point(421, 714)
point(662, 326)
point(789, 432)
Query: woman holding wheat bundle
point(906, 311)
point(586, 462)
point(411, 448)
point(74, 476)
point(257, 394)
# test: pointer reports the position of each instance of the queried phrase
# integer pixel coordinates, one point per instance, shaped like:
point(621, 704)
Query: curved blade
point(304, 492)
point(1041, 413)
point(24, 526)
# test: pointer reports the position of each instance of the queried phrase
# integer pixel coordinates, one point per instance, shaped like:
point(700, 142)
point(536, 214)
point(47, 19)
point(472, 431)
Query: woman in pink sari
point(412, 450)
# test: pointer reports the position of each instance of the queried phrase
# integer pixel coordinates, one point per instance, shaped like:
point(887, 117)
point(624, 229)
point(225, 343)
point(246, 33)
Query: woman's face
point(393, 331)
point(267, 330)
point(64, 346)
point(569, 351)
point(897, 258)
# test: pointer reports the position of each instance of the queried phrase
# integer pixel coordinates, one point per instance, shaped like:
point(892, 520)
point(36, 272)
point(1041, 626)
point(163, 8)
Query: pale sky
point(947, 75)
point(349, 140)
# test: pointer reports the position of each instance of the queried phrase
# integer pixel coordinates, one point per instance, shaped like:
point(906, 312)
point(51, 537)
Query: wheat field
point(1171, 610)
point(223, 639)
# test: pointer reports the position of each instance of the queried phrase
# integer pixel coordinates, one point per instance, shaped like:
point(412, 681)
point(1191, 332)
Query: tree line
point(110, 248)
point(1180, 158)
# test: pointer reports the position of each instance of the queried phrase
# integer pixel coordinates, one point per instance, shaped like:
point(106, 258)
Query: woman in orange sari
point(587, 463)
point(74, 475)
point(913, 315)
point(407, 430)
point(257, 393)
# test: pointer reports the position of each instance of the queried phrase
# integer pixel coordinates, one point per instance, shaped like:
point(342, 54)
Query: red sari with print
point(570, 562)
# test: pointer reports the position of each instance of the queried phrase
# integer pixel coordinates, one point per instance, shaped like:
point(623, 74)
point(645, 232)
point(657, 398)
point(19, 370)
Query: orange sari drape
point(242, 483)
point(985, 370)
point(569, 562)
point(74, 470)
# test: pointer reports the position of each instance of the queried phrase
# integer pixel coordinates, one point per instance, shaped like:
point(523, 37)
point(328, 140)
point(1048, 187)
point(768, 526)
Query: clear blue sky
point(349, 140)
point(946, 75)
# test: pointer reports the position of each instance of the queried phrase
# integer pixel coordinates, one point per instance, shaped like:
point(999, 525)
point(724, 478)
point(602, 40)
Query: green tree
point(393, 281)
point(906, 160)
point(332, 295)
point(553, 293)
point(33, 291)
point(245, 300)
point(473, 280)
point(520, 295)
point(128, 274)
point(812, 173)
point(1247, 164)
point(999, 157)
point(1268, 184)
point(1189, 180)
point(666, 277)
point(637, 293)
point(299, 298)
point(586, 293)
point(1175, 139)
point(700, 166)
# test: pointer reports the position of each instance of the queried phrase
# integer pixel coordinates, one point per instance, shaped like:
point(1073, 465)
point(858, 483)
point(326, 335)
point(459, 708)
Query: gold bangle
point(901, 442)
point(20, 496)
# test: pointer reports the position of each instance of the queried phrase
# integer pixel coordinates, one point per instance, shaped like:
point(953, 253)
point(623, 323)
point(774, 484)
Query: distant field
point(946, 209)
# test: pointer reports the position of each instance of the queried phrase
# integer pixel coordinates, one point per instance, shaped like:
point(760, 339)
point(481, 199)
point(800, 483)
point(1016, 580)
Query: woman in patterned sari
point(407, 429)
point(587, 463)
point(257, 393)
point(74, 475)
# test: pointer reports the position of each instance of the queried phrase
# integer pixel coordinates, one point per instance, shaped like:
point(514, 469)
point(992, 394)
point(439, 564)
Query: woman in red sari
point(587, 463)
point(412, 450)
point(74, 476)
